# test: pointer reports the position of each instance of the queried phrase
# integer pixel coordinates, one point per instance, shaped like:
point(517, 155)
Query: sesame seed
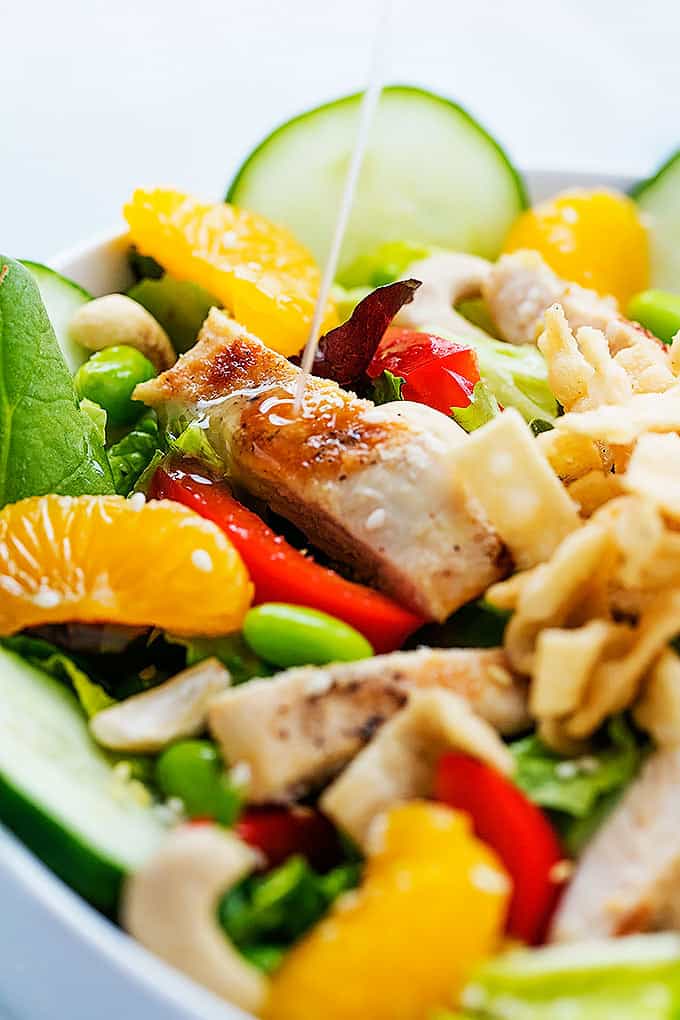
point(488, 879)
point(376, 519)
point(202, 560)
point(137, 500)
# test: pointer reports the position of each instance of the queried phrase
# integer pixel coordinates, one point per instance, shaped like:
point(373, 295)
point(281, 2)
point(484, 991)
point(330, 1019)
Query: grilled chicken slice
point(628, 879)
point(372, 486)
point(302, 726)
point(519, 289)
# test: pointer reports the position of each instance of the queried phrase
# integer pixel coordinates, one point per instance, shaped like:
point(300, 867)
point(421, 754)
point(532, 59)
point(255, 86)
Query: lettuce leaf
point(632, 978)
point(387, 387)
point(384, 264)
point(580, 791)
point(482, 408)
point(517, 375)
point(54, 661)
point(47, 444)
point(131, 456)
point(265, 914)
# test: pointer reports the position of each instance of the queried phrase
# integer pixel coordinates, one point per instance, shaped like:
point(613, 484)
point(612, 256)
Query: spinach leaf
point(265, 914)
point(47, 444)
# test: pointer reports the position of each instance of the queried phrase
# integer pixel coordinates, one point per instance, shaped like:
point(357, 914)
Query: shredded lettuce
point(191, 441)
point(581, 790)
point(265, 914)
point(482, 408)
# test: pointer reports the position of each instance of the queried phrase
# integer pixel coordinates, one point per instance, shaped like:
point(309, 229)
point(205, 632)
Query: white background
point(101, 96)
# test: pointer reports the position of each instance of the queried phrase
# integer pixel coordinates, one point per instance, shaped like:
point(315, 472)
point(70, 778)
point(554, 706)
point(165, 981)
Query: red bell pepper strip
point(279, 572)
point(516, 829)
point(280, 832)
point(435, 371)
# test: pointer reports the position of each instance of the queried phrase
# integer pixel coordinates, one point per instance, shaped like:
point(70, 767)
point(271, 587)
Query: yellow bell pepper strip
point(431, 906)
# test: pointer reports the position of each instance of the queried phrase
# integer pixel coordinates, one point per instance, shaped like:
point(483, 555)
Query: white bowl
point(60, 958)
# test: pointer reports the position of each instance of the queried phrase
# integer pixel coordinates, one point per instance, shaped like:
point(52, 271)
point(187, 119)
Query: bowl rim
point(74, 914)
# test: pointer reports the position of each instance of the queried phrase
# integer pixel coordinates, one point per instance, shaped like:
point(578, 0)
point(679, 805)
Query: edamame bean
point(109, 378)
point(288, 635)
point(192, 770)
point(658, 311)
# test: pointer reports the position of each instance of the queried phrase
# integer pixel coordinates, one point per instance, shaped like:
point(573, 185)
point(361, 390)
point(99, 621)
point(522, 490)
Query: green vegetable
point(482, 408)
point(347, 300)
point(265, 914)
point(192, 770)
point(432, 174)
point(143, 266)
point(387, 387)
point(192, 441)
point(517, 375)
point(47, 444)
point(288, 635)
point(133, 454)
point(97, 416)
point(383, 265)
point(109, 378)
point(58, 790)
point(658, 311)
point(633, 978)
point(659, 199)
point(538, 425)
point(179, 305)
point(475, 625)
point(52, 660)
point(579, 788)
point(62, 298)
point(231, 650)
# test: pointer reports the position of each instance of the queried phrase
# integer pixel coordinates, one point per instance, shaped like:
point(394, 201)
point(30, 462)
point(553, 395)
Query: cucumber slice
point(431, 174)
point(62, 298)
point(659, 199)
point(57, 789)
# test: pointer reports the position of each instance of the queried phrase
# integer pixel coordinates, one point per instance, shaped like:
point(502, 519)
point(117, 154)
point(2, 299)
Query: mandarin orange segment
point(263, 276)
point(106, 559)
point(595, 238)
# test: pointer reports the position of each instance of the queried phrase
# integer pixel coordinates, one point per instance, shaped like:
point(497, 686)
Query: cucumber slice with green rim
point(431, 174)
point(62, 298)
point(659, 199)
point(58, 791)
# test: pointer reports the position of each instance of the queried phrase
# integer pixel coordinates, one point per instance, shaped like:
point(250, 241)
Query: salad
point(367, 706)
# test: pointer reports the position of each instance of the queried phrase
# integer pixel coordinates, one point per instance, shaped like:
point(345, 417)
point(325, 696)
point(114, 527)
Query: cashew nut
point(170, 906)
point(399, 762)
point(446, 279)
point(175, 709)
point(117, 319)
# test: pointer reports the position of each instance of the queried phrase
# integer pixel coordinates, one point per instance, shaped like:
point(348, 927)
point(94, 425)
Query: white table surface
point(100, 96)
